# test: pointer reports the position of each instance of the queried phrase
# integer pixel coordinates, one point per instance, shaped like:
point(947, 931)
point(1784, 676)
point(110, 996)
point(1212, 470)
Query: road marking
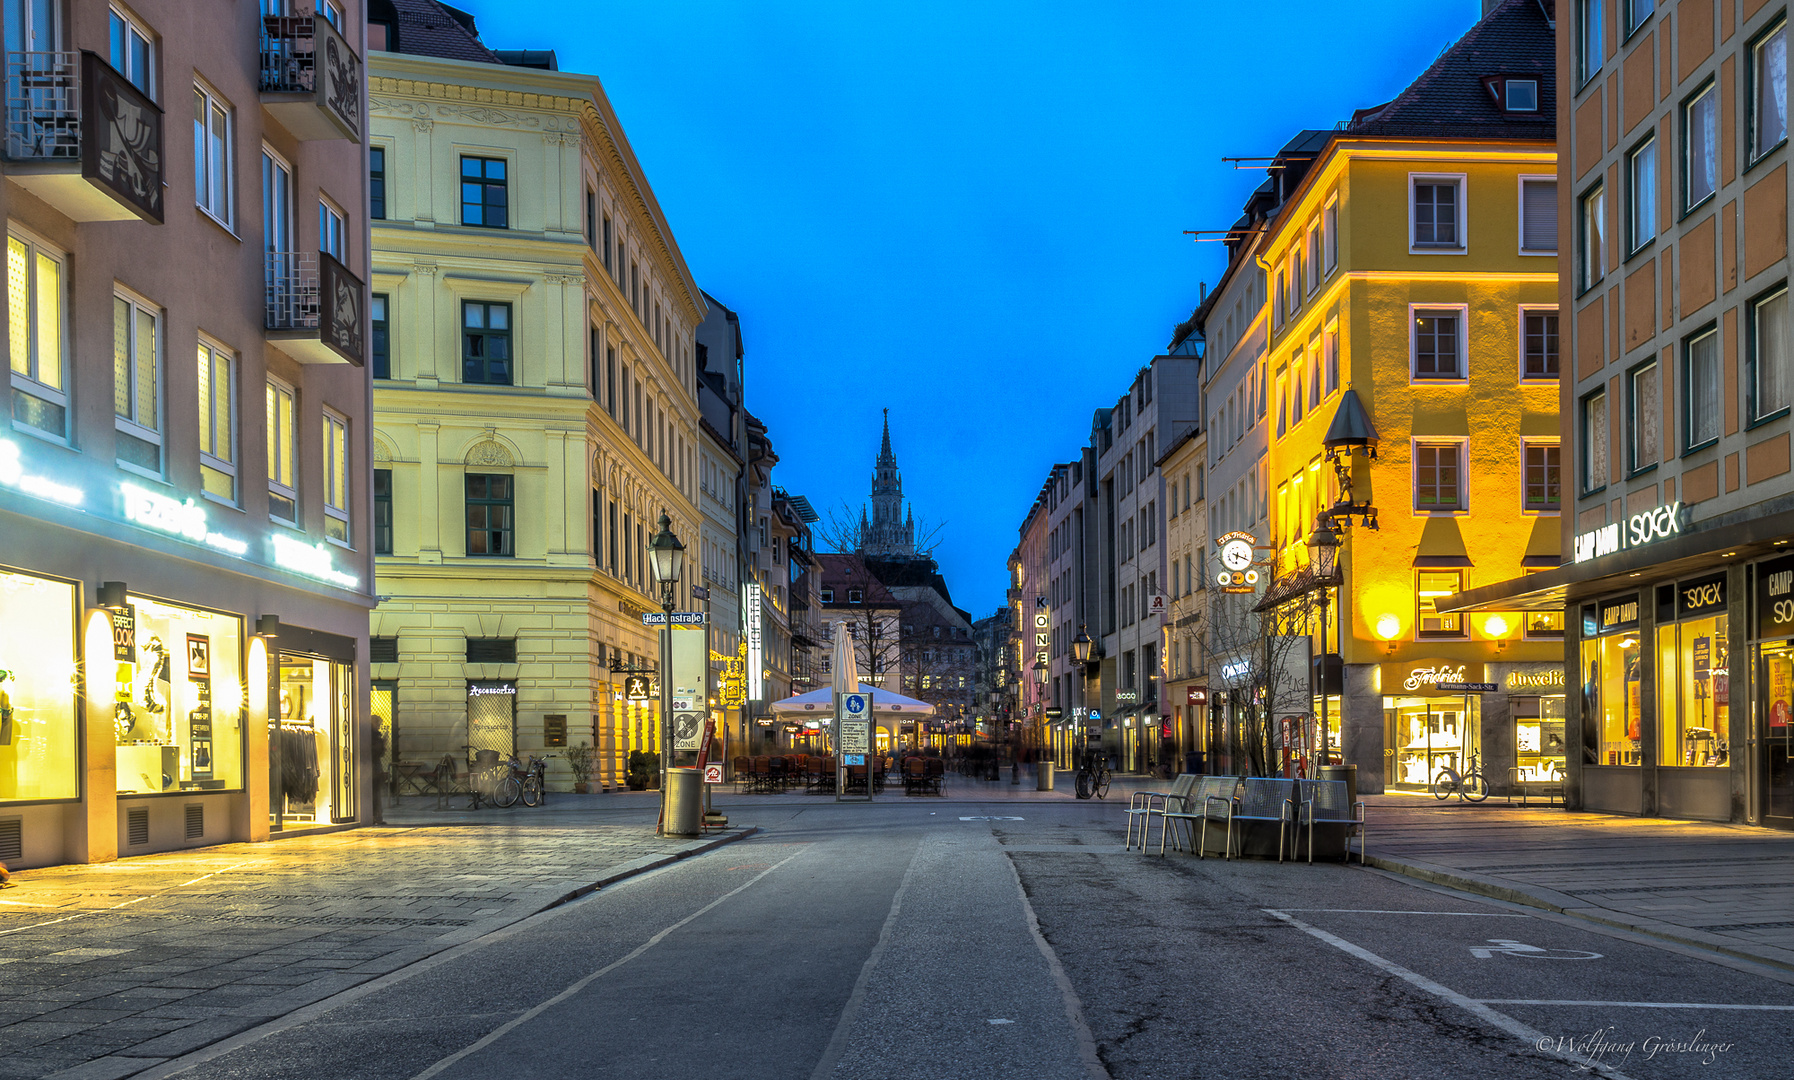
point(518, 1021)
point(1640, 1004)
point(1002, 1021)
point(1510, 947)
point(1535, 1039)
point(837, 1044)
point(1376, 911)
point(992, 819)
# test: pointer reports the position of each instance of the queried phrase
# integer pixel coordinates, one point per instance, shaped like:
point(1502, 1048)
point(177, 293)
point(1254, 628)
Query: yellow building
point(534, 417)
point(1412, 374)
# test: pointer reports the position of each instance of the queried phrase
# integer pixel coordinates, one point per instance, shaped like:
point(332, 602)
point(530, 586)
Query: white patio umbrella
point(820, 703)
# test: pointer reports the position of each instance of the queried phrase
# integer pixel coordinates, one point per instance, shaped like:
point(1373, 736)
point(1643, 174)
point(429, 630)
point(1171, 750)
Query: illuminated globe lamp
point(1389, 627)
point(1496, 627)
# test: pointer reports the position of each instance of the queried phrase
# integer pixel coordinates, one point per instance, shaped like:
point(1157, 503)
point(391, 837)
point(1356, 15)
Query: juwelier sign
point(1638, 530)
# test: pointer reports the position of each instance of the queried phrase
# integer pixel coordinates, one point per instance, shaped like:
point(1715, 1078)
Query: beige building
point(1187, 603)
point(187, 556)
point(534, 403)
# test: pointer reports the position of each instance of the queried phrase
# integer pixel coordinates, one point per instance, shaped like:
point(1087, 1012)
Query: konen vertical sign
point(756, 649)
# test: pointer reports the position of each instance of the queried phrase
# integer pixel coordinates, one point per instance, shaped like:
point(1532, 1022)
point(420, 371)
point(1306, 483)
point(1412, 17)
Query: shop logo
point(13, 475)
point(1640, 529)
point(1430, 676)
point(1703, 595)
point(1617, 615)
point(1533, 680)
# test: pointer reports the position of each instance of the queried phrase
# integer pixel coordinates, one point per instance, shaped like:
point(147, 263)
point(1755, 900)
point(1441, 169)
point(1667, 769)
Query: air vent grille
point(196, 821)
point(137, 826)
point(12, 839)
point(491, 650)
point(383, 650)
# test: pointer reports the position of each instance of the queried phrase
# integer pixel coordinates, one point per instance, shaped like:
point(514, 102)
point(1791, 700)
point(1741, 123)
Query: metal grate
point(43, 98)
point(289, 54)
point(12, 839)
point(383, 650)
point(137, 827)
point(196, 821)
point(292, 290)
point(491, 650)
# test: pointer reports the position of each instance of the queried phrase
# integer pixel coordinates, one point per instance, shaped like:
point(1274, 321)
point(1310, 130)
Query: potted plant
point(579, 759)
point(643, 767)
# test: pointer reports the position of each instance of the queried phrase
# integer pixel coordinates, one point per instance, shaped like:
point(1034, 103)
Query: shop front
point(312, 726)
point(1772, 736)
point(1430, 723)
point(40, 732)
point(1538, 749)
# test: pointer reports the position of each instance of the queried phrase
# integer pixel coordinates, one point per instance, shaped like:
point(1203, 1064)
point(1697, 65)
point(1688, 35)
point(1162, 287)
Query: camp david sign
point(1638, 530)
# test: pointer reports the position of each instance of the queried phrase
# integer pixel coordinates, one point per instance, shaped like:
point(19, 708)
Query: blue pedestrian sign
point(854, 704)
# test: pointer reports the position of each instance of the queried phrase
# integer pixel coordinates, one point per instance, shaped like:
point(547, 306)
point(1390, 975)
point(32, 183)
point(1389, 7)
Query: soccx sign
point(1640, 529)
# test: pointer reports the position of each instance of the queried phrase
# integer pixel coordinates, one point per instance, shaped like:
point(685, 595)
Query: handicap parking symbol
point(1510, 947)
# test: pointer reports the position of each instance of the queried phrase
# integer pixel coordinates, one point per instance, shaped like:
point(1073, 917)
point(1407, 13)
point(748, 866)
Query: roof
point(1451, 97)
point(429, 28)
point(844, 571)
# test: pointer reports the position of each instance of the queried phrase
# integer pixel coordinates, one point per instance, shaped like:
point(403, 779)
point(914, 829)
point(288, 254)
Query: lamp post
point(1323, 548)
point(1080, 659)
point(666, 561)
point(1041, 675)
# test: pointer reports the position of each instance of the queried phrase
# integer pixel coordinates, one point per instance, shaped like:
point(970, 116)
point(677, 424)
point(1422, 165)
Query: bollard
point(684, 803)
point(1044, 779)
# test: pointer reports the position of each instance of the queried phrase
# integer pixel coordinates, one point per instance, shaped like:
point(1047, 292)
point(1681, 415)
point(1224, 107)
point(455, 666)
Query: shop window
point(39, 731)
point(1427, 735)
point(283, 455)
point(1769, 91)
point(1612, 686)
point(218, 423)
point(35, 293)
point(489, 515)
point(1694, 678)
point(137, 385)
point(1429, 621)
point(1540, 750)
point(1544, 626)
point(177, 698)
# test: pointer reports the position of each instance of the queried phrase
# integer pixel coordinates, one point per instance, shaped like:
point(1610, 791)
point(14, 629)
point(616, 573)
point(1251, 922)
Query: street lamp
point(1080, 658)
point(666, 562)
point(1323, 549)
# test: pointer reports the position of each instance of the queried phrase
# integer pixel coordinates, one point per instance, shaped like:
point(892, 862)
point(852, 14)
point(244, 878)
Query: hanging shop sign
point(1638, 530)
point(1702, 597)
point(1775, 598)
point(1043, 629)
point(1432, 676)
point(640, 687)
point(756, 659)
point(1238, 552)
point(1196, 695)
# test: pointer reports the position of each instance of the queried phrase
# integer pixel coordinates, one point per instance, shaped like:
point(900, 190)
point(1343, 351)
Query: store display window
point(1693, 675)
point(177, 701)
point(311, 750)
point(1775, 679)
point(1540, 751)
point(39, 739)
point(1430, 735)
point(1612, 663)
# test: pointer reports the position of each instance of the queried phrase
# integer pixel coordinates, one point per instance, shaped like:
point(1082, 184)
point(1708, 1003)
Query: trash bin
point(1348, 773)
point(685, 794)
point(1195, 761)
point(1043, 780)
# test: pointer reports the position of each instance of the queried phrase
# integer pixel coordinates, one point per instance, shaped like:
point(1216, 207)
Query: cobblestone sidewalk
point(110, 969)
point(1724, 887)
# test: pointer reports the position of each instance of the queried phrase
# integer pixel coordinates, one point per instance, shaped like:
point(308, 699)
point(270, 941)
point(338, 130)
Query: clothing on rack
point(299, 772)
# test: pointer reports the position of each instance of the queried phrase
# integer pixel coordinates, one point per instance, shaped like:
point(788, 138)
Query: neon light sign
point(312, 561)
point(182, 519)
point(13, 475)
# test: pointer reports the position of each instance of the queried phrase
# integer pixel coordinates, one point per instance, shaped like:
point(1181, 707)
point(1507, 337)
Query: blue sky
point(970, 212)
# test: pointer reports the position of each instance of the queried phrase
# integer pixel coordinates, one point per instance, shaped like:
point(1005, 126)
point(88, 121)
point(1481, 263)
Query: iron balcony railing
point(292, 290)
point(43, 106)
point(289, 54)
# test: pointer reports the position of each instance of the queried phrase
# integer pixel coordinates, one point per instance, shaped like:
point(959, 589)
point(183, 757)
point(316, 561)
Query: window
point(1436, 213)
point(217, 423)
point(1538, 216)
point(1594, 441)
point(591, 219)
point(1436, 345)
point(1592, 218)
point(1331, 345)
point(132, 54)
point(213, 151)
point(330, 231)
point(1539, 345)
point(1700, 147)
point(1330, 226)
point(1438, 476)
point(336, 478)
point(485, 198)
point(1769, 92)
point(489, 524)
point(35, 302)
point(377, 183)
point(331, 12)
point(1641, 195)
point(1522, 95)
point(1589, 36)
point(485, 343)
point(283, 455)
point(1701, 366)
point(1645, 420)
point(383, 511)
point(606, 243)
point(137, 384)
point(1637, 11)
point(1542, 490)
point(380, 347)
point(610, 382)
point(1429, 622)
point(1769, 378)
point(1314, 255)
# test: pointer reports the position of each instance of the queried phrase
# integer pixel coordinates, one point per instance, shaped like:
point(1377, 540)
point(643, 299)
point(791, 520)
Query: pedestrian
point(5, 877)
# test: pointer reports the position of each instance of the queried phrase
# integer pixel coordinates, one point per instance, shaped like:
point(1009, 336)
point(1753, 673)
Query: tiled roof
point(427, 28)
point(1450, 97)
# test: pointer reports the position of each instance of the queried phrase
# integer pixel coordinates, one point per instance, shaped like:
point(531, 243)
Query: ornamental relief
point(474, 114)
point(489, 453)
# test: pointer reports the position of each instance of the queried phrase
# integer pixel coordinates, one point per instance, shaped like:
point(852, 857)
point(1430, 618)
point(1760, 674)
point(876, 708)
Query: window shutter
point(1538, 226)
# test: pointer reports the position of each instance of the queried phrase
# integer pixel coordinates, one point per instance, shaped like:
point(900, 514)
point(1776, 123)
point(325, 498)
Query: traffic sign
point(713, 772)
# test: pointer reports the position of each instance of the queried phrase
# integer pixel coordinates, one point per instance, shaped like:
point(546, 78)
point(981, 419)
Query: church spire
point(885, 456)
point(887, 534)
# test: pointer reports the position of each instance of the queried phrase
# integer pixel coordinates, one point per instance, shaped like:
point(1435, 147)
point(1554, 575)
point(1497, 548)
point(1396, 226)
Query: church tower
point(890, 532)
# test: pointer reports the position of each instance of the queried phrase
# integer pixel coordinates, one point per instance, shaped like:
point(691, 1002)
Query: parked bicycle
point(535, 781)
point(1093, 775)
point(1470, 785)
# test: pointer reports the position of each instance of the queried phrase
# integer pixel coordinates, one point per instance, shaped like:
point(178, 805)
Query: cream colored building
point(534, 414)
point(1186, 615)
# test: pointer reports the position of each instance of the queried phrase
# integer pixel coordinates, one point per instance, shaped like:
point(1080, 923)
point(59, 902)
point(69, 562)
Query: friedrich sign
point(1424, 676)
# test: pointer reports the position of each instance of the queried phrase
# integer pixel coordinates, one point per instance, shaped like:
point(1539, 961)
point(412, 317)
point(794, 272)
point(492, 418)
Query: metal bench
point(1144, 804)
point(1325, 802)
point(1190, 810)
point(1261, 799)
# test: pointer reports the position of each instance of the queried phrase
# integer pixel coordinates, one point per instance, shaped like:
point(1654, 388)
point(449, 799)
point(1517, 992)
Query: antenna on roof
point(1237, 167)
point(1210, 236)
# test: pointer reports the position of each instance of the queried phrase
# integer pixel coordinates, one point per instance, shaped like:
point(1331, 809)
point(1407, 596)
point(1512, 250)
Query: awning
point(819, 703)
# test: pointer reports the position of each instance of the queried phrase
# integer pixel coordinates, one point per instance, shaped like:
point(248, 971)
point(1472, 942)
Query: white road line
point(1639, 1004)
point(505, 1029)
point(1375, 911)
point(837, 1044)
point(1533, 1038)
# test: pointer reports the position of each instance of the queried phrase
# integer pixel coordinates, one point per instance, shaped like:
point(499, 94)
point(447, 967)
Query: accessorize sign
point(1638, 530)
point(1424, 676)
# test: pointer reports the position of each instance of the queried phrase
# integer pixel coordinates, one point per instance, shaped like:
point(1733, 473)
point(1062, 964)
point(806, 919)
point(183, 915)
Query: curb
point(1565, 904)
point(645, 864)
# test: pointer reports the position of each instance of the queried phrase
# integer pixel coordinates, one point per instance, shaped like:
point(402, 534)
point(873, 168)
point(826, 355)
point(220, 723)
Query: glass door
point(1776, 678)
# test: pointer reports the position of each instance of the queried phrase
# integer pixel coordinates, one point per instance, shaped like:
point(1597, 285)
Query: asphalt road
point(902, 940)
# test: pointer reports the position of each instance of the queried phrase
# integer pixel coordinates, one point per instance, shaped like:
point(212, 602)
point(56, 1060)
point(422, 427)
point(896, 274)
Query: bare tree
point(856, 601)
point(1262, 657)
point(839, 531)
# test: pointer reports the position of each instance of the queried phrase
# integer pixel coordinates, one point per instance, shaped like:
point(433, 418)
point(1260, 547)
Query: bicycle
point(507, 788)
point(1469, 786)
point(1093, 776)
point(535, 789)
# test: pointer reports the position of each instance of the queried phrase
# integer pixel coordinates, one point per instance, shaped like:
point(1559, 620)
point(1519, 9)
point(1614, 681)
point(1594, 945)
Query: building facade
point(722, 493)
point(188, 560)
point(534, 402)
point(1183, 465)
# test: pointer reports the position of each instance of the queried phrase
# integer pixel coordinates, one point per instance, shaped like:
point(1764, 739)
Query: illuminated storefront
point(177, 698)
point(39, 730)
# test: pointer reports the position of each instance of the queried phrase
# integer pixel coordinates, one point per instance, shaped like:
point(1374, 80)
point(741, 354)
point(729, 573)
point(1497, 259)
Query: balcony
point(82, 138)
point(310, 79)
point(316, 309)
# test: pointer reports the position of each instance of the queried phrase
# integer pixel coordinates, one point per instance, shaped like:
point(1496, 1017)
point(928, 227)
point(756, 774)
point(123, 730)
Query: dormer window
point(1512, 94)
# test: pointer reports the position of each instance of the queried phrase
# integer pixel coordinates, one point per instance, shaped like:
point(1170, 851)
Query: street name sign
point(680, 618)
point(1466, 687)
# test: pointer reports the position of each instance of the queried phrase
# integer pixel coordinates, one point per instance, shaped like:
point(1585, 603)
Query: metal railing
point(43, 105)
point(292, 290)
point(289, 54)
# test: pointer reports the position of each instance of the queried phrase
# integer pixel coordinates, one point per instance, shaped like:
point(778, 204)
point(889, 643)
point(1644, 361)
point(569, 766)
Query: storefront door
point(1776, 749)
point(311, 752)
point(1428, 736)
